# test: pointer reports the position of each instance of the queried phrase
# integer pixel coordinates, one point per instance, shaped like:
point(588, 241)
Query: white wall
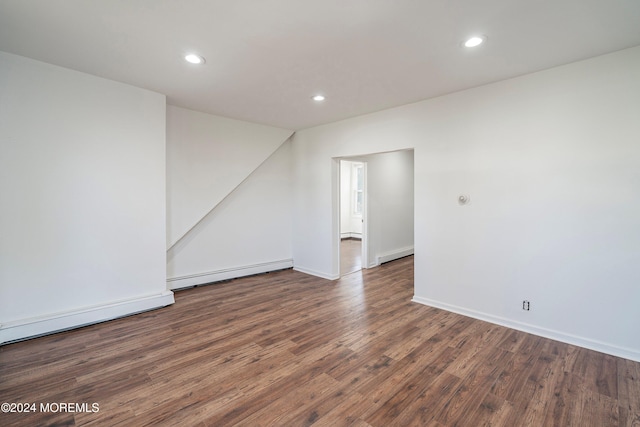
point(551, 163)
point(82, 198)
point(350, 223)
point(244, 171)
point(390, 205)
point(207, 157)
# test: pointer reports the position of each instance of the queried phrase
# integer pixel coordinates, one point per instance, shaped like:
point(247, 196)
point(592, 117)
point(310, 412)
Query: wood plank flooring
point(350, 256)
point(287, 349)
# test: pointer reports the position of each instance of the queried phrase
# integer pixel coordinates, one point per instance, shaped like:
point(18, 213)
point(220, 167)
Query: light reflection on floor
point(350, 256)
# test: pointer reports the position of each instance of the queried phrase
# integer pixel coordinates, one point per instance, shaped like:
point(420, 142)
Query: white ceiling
point(266, 58)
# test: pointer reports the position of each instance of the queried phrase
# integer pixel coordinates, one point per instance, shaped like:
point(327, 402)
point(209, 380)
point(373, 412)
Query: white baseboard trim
point(226, 274)
point(351, 235)
point(390, 256)
point(316, 273)
point(43, 325)
point(590, 344)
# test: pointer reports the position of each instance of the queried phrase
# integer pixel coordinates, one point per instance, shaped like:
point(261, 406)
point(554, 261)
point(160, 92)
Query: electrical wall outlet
point(526, 305)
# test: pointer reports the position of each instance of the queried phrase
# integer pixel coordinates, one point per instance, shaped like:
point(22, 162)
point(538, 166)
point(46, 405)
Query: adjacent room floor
point(350, 256)
point(288, 349)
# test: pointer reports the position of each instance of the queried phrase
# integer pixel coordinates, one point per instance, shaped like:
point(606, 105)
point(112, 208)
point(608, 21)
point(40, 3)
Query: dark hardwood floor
point(287, 349)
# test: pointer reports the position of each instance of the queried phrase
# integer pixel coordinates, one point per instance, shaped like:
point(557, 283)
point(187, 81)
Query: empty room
point(293, 213)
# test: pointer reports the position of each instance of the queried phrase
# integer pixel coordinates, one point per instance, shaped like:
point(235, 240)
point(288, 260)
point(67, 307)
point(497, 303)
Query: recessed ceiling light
point(318, 98)
point(194, 59)
point(474, 41)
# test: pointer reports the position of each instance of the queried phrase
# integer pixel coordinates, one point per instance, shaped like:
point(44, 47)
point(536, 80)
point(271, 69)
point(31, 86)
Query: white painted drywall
point(390, 205)
point(250, 229)
point(244, 171)
point(82, 193)
point(551, 162)
point(207, 157)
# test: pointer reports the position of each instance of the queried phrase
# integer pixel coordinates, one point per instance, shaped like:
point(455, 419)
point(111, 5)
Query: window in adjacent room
point(357, 183)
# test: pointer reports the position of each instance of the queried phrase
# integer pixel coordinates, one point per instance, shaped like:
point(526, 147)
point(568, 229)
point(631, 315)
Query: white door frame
point(365, 219)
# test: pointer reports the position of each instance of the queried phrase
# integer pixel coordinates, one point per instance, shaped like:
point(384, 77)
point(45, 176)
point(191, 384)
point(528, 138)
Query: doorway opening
point(375, 192)
point(352, 215)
